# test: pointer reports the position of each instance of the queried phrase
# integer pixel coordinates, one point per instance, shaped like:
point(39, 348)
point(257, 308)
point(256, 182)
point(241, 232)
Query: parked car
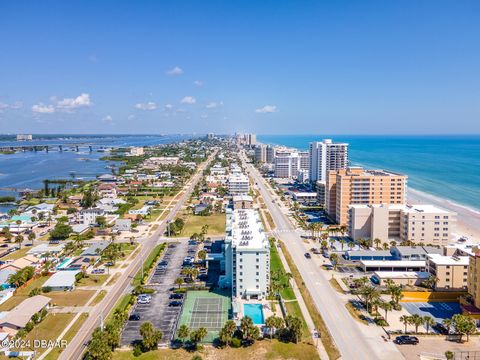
point(143, 300)
point(405, 339)
point(98, 271)
point(440, 328)
point(134, 317)
point(175, 303)
point(176, 296)
point(308, 256)
point(163, 263)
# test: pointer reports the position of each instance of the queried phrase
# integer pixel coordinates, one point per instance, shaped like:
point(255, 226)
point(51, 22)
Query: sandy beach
point(468, 220)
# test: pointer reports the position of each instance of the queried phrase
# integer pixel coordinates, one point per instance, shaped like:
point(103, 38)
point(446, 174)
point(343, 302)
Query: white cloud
point(168, 107)
point(198, 83)
point(14, 106)
point(131, 117)
point(68, 104)
point(188, 100)
point(107, 119)
point(204, 116)
point(146, 106)
point(214, 105)
point(175, 71)
point(267, 109)
point(43, 109)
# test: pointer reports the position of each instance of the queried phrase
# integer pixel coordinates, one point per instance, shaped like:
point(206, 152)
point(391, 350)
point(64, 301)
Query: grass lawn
point(52, 355)
point(276, 265)
point(17, 254)
point(148, 263)
point(98, 298)
point(92, 280)
point(49, 329)
point(194, 223)
point(113, 279)
point(121, 304)
point(356, 314)
point(70, 298)
point(261, 350)
point(294, 309)
point(335, 285)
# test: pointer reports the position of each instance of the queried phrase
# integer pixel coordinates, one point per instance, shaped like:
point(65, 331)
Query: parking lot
point(158, 311)
point(349, 270)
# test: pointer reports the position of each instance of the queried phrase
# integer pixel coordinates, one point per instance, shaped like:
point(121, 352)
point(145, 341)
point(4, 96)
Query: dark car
point(134, 317)
point(175, 303)
point(440, 328)
point(404, 339)
point(163, 263)
point(176, 296)
point(308, 256)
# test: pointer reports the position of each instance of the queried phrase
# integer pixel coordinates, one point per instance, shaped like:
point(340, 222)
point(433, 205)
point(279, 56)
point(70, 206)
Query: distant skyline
point(270, 67)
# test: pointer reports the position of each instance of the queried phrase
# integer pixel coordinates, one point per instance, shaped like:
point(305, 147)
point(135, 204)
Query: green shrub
point(35, 291)
point(236, 343)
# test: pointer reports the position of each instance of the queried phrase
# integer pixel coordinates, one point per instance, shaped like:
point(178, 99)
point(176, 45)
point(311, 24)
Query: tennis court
point(205, 309)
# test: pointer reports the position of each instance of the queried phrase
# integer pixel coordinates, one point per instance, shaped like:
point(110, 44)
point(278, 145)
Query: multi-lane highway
point(77, 346)
point(354, 340)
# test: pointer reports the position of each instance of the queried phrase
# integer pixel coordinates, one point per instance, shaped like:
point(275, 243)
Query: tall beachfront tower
point(247, 255)
point(326, 155)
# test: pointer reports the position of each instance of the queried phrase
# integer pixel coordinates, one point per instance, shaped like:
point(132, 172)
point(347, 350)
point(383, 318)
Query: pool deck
point(267, 310)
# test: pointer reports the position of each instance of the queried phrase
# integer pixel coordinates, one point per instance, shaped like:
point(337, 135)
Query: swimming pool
point(65, 263)
point(254, 311)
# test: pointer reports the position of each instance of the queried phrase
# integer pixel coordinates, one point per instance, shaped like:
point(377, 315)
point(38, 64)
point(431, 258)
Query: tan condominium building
point(357, 186)
point(474, 277)
point(451, 271)
point(425, 224)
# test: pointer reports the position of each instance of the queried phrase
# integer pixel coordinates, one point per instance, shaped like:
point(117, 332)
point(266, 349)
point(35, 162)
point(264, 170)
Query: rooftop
point(402, 274)
point(246, 229)
point(22, 313)
point(63, 278)
point(394, 263)
point(448, 260)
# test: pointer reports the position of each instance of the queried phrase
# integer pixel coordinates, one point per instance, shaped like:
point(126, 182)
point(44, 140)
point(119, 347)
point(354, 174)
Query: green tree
point(31, 237)
point(226, 333)
point(405, 319)
point(61, 231)
point(377, 242)
point(428, 321)
point(198, 335)
point(98, 348)
point(334, 260)
point(150, 336)
point(202, 254)
point(416, 320)
point(294, 325)
point(178, 281)
point(385, 306)
point(18, 240)
point(183, 332)
point(464, 325)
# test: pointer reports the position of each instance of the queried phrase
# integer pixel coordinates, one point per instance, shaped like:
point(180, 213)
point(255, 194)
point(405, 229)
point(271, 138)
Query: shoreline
point(468, 220)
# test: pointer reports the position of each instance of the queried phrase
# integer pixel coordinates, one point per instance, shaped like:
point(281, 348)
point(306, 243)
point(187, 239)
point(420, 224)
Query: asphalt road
point(354, 340)
point(78, 344)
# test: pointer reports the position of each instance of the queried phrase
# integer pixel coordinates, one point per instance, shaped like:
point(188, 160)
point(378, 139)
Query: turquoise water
point(65, 263)
point(444, 166)
point(255, 312)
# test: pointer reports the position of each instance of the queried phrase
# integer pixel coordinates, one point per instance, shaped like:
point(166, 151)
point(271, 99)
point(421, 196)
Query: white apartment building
point(324, 156)
point(218, 170)
point(289, 161)
point(426, 224)
point(136, 151)
point(24, 137)
point(238, 184)
point(247, 255)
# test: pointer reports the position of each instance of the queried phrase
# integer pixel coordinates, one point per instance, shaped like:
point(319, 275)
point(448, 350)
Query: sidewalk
point(308, 319)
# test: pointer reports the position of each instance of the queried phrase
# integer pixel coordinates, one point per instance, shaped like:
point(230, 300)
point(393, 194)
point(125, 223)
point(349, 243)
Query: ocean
point(443, 166)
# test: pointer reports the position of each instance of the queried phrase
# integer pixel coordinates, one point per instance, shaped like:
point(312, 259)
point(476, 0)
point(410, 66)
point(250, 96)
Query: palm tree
point(448, 324)
point(31, 237)
point(386, 306)
point(351, 245)
point(377, 242)
point(342, 242)
point(416, 321)
point(18, 240)
point(270, 323)
point(179, 281)
point(332, 242)
point(405, 319)
point(393, 243)
point(334, 260)
point(428, 321)
point(183, 332)
point(311, 227)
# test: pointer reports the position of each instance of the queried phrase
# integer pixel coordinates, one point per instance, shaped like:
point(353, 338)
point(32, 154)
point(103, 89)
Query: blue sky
point(340, 67)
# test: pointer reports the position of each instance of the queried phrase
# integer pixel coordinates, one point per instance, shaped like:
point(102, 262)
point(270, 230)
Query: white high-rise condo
point(327, 155)
point(247, 255)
